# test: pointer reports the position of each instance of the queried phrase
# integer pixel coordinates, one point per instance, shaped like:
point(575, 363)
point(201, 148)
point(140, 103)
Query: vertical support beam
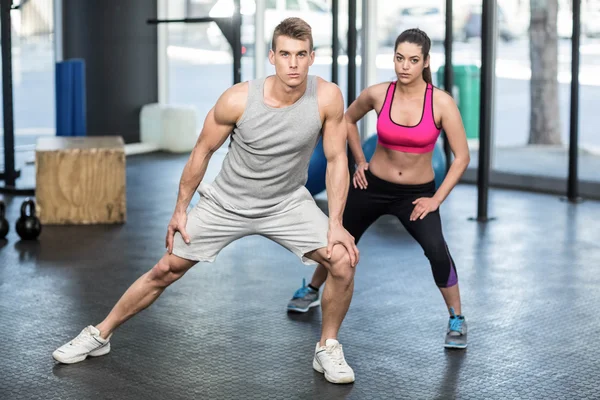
point(237, 42)
point(369, 60)
point(162, 53)
point(448, 72)
point(260, 51)
point(58, 30)
point(335, 42)
point(486, 109)
point(351, 51)
point(573, 180)
point(9, 174)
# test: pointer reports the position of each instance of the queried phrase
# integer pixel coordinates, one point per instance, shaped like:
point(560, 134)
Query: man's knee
point(340, 266)
point(165, 272)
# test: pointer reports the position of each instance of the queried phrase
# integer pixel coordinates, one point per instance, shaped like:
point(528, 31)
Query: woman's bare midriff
point(400, 167)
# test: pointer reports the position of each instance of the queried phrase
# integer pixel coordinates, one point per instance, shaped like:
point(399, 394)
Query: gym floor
point(529, 282)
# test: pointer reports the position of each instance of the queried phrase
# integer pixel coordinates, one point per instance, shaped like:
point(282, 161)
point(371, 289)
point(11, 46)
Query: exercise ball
point(317, 169)
point(439, 164)
point(369, 147)
point(438, 161)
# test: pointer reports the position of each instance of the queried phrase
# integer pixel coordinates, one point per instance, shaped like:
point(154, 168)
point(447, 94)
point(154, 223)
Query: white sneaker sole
point(344, 379)
point(65, 359)
point(303, 310)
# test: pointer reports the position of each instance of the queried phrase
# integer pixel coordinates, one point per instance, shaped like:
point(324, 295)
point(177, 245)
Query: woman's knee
point(442, 265)
point(436, 251)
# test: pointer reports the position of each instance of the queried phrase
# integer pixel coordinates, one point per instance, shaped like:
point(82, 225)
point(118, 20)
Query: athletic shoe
point(304, 299)
point(456, 335)
point(329, 360)
point(87, 343)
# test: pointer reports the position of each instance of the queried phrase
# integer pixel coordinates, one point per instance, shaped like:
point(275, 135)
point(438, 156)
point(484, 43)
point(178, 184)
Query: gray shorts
point(297, 224)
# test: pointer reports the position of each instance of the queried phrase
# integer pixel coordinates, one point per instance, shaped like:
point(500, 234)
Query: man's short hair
point(295, 28)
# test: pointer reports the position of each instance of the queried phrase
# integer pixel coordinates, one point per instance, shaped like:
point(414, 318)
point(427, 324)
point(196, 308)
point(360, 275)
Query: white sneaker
point(329, 359)
point(87, 343)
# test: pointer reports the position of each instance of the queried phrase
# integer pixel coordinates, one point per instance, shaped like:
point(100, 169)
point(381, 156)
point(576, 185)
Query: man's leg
point(144, 291)
point(95, 340)
point(338, 289)
point(210, 228)
point(362, 209)
point(300, 226)
point(329, 357)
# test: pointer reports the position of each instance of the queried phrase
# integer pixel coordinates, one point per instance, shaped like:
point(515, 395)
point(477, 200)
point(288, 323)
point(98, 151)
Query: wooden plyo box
point(80, 180)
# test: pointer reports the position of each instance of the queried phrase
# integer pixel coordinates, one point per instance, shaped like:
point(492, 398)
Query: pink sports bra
point(420, 138)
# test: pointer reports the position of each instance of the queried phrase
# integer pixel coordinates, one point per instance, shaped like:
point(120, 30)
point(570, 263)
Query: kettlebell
point(28, 226)
point(4, 226)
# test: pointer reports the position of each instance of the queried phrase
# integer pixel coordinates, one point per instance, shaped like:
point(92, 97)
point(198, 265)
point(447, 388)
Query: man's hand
point(177, 224)
point(423, 206)
point(338, 235)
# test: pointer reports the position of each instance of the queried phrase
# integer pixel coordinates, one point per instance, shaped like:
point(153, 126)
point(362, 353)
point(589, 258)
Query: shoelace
point(336, 354)
point(81, 338)
point(456, 324)
point(303, 291)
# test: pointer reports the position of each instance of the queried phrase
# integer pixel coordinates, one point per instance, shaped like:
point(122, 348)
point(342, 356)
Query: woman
point(399, 180)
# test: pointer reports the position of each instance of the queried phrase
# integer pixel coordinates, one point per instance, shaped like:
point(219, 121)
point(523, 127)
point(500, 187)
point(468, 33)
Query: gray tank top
point(269, 152)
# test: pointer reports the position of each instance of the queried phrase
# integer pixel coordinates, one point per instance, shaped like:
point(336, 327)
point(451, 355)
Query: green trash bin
point(466, 94)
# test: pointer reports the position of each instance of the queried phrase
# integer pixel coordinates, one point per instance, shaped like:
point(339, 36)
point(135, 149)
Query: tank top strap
point(387, 102)
point(255, 96)
point(257, 89)
point(311, 86)
point(428, 102)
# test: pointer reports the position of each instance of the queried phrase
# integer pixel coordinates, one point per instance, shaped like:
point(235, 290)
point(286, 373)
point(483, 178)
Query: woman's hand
point(423, 206)
point(359, 179)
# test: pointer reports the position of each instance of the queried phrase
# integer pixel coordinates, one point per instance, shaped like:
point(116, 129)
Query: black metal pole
point(351, 66)
point(335, 42)
point(237, 43)
point(486, 108)
point(572, 183)
point(9, 174)
point(351, 51)
point(448, 73)
point(155, 21)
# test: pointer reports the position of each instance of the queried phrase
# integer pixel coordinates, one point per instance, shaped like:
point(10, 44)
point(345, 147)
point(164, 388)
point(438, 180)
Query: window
point(420, 11)
point(293, 5)
point(271, 4)
point(312, 6)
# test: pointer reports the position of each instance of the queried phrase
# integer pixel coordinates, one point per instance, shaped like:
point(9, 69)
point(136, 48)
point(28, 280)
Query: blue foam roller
point(79, 106)
point(64, 99)
point(70, 98)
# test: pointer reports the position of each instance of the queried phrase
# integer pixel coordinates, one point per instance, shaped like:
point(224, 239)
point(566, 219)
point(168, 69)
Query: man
point(274, 123)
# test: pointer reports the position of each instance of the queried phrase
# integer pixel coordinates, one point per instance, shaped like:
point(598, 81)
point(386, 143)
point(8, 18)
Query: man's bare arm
point(334, 146)
point(337, 176)
point(217, 126)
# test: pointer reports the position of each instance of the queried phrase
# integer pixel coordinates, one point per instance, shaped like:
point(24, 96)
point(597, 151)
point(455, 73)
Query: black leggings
point(365, 206)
